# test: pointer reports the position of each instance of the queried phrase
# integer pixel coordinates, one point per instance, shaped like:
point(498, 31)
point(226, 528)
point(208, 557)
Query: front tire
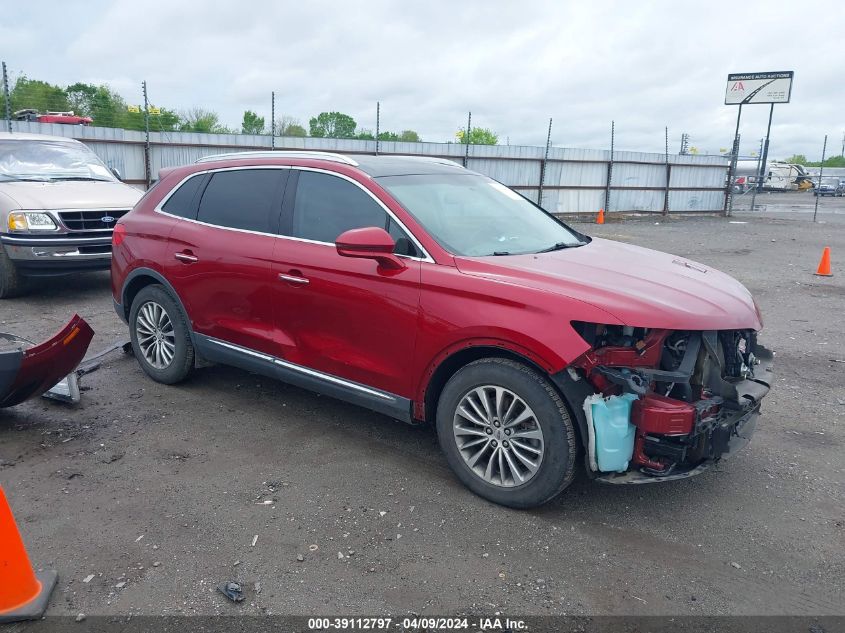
point(161, 340)
point(507, 433)
point(12, 283)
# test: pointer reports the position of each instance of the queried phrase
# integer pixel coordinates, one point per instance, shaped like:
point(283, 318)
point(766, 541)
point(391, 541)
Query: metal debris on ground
point(231, 590)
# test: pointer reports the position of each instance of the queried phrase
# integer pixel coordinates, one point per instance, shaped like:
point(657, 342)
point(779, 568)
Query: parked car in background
point(67, 118)
point(430, 293)
point(58, 207)
point(829, 186)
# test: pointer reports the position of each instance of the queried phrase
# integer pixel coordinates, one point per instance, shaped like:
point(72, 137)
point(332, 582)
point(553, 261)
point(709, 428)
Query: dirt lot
point(163, 488)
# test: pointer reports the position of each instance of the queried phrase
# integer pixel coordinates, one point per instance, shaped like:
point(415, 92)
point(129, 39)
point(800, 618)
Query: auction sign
point(774, 87)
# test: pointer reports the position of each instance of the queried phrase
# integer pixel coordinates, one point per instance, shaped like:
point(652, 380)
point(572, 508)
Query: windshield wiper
point(500, 253)
point(560, 246)
point(7, 178)
point(79, 178)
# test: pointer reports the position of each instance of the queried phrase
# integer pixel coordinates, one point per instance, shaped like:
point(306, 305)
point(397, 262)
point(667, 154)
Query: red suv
point(430, 293)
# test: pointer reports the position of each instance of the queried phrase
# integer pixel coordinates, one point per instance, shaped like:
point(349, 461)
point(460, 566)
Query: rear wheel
point(160, 337)
point(12, 283)
point(506, 433)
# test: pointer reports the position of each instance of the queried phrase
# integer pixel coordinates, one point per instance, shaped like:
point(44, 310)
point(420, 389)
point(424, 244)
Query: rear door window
point(246, 199)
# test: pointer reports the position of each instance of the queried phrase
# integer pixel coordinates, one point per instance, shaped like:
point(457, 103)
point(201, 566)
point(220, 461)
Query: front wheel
point(12, 283)
point(506, 433)
point(160, 337)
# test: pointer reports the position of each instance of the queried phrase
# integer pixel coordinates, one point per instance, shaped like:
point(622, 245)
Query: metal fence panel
point(575, 179)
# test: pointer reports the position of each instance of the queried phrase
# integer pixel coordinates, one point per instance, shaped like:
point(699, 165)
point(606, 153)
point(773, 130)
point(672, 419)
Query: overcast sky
point(513, 64)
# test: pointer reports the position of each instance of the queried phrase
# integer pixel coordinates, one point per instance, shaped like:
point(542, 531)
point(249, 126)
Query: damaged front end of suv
point(663, 404)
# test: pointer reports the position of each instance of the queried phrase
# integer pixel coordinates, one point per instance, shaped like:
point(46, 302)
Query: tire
point(169, 366)
point(12, 283)
point(558, 442)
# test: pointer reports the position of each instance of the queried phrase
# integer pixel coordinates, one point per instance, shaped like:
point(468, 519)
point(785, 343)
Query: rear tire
point(551, 451)
point(161, 338)
point(12, 283)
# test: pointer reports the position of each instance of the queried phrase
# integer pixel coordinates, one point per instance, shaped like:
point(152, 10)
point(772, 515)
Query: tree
point(332, 125)
point(478, 136)
point(37, 95)
point(289, 126)
point(798, 159)
point(252, 123)
point(409, 136)
point(201, 120)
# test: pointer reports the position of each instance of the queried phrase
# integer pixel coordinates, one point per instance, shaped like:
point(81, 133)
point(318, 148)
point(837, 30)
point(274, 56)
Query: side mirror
point(116, 172)
point(369, 243)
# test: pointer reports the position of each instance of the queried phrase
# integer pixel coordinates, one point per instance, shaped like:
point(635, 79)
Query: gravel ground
point(319, 507)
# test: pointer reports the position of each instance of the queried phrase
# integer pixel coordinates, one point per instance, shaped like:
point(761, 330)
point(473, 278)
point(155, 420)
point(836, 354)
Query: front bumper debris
point(30, 372)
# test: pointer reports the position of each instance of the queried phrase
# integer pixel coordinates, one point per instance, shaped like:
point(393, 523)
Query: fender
point(544, 362)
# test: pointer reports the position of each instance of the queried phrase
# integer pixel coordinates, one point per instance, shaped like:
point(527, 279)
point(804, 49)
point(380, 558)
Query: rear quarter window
point(244, 199)
point(182, 202)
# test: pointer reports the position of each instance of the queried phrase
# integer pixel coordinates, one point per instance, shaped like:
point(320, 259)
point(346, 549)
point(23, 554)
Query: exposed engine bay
point(694, 395)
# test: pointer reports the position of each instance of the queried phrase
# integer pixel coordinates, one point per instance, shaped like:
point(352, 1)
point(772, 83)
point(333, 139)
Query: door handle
point(187, 258)
point(293, 279)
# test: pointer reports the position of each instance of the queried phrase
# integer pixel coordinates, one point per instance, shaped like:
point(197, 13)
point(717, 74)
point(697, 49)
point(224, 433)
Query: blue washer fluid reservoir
point(614, 433)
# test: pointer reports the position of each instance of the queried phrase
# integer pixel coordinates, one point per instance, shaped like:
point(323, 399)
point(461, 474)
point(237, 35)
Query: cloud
point(645, 65)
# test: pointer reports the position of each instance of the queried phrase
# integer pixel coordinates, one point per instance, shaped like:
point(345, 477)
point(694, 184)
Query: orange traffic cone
point(824, 264)
point(600, 217)
point(23, 594)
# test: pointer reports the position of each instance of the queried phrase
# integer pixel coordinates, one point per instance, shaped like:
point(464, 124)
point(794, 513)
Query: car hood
point(70, 194)
point(639, 286)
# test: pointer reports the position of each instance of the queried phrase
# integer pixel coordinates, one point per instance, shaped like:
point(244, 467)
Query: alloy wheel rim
point(498, 436)
point(155, 334)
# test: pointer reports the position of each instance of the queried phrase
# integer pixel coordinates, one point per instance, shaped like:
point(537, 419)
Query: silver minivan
point(58, 206)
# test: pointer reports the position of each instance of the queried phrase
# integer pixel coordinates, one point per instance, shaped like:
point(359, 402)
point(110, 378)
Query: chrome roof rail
point(316, 155)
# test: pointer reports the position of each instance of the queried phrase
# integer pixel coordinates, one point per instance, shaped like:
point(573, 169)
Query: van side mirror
point(369, 243)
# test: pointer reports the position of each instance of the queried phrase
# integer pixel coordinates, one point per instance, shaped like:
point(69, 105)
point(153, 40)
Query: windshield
point(474, 215)
point(50, 160)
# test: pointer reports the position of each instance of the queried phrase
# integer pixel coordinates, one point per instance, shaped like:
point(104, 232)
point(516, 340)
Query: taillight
point(118, 235)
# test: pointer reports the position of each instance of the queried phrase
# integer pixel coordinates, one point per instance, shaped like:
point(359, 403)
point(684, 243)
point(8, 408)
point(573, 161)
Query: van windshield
point(472, 215)
point(50, 160)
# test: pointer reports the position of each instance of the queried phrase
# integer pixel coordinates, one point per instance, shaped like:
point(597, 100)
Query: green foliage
point(478, 136)
point(289, 126)
point(332, 125)
point(39, 95)
point(407, 136)
point(252, 123)
point(798, 159)
point(830, 161)
point(202, 120)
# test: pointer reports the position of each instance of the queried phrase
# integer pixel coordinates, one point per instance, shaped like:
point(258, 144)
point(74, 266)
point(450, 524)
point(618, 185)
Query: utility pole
point(543, 165)
point(668, 172)
point(6, 99)
point(378, 123)
point(147, 170)
point(272, 120)
point(729, 200)
point(765, 158)
point(821, 173)
point(684, 144)
point(469, 130)
point(842, 153)
point(609, 168)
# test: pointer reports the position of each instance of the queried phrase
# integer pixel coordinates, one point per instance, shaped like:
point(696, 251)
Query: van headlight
point(30, 221)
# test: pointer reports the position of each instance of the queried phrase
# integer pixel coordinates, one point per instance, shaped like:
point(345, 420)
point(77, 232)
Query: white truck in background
point(776, 177)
